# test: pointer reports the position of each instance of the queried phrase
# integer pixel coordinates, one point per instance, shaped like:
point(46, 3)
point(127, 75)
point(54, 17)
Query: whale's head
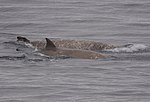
point(23, 39)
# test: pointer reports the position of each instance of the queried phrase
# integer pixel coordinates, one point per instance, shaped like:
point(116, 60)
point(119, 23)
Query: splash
point(129, 48)
point(29, 45)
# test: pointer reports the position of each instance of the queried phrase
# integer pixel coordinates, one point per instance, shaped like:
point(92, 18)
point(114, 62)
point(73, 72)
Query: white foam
point(29, 45)
point(130, 48)
point(36, 49)
point(42, 55)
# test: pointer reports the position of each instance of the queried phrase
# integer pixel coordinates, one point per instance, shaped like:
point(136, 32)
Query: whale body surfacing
point(49, 48)
point(52, 50)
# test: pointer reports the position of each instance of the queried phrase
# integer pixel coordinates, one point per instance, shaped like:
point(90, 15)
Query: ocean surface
point(26, 77)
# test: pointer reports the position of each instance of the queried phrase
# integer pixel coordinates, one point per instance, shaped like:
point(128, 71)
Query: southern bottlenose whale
point(72, 44)
point(51, 49)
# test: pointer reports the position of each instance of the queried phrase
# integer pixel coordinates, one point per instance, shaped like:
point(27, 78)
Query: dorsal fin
point(49, 44)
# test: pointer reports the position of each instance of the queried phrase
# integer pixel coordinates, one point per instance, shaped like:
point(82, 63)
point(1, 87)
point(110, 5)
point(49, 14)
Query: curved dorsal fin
point(49, 44)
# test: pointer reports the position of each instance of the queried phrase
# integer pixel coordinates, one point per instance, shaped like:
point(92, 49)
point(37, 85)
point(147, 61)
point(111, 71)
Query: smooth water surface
point(26, 77)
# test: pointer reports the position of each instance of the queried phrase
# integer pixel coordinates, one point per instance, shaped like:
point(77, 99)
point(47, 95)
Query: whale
point(69, 43)
point(51, 50)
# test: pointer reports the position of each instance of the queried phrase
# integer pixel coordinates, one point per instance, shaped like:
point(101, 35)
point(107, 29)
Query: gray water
point(25, 77)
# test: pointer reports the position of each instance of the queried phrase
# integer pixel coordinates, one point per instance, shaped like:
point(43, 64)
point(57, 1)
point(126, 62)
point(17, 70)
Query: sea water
point(26, 76)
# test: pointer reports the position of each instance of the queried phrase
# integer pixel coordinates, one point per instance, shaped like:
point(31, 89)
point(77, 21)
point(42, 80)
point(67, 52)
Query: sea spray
point(129, 48)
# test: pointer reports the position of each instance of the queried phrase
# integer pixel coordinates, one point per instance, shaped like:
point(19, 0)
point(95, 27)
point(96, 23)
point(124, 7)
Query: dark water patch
point(79, 3)
point(18, 1)
point(130, 34)
point(12, 100)
point(35, 60)
point(16, 25)
point(144, 85)
point(128, 93)
point(92, 20)
point(12, 57)
point(132, 5)
point(50, 96)
point(82, 21)
point(139, 24)
point(104, 85)
point(96, 69)
point(136, 5)
point(5, 34)
point(19, 87)
point(11, 9)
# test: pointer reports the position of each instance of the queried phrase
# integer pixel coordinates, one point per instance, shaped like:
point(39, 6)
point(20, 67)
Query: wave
point(129, 48)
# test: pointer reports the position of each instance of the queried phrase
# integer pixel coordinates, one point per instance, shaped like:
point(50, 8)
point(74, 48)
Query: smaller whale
point(51, 50)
